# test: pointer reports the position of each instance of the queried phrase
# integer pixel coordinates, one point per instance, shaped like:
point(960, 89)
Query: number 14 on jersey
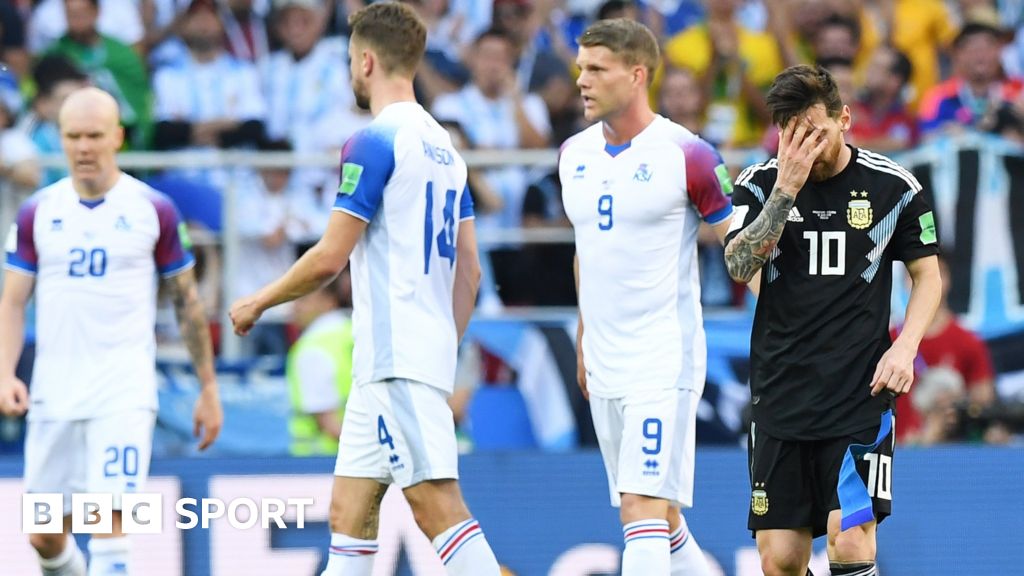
point(446, 238)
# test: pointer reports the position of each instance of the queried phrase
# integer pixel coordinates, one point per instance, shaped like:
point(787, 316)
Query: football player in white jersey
point(635, 187)
point(404, 215)
point(91, 247)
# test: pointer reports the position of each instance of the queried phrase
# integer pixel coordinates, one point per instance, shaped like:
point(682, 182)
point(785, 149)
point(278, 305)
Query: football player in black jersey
point(823, 222)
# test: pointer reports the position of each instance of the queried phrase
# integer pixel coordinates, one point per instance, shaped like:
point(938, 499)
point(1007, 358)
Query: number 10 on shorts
point(879, 475)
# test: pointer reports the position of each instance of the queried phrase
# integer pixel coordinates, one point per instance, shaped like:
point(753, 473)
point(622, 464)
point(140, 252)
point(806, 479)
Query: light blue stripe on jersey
point(403, 409)
point(378, 261)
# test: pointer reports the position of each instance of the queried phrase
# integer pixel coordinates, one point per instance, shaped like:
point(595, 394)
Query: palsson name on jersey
point(95, 266)
point(821, 323)
point(636, 210)
point(402, 175)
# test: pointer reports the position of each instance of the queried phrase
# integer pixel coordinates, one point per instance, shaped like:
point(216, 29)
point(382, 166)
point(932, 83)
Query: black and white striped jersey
point(822, 319)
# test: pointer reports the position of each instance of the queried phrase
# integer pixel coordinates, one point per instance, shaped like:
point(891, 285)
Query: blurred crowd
point(272, 75)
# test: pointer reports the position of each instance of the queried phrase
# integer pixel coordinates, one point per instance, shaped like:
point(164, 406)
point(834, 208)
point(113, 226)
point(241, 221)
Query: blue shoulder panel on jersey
point(367, 162)
point(466, 205)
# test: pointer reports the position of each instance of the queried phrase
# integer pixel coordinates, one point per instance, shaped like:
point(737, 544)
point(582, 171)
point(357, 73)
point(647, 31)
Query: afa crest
point(759, 502)
point(859, 213)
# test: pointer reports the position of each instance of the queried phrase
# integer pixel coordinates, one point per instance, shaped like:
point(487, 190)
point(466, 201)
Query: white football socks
point(70, 562)
point(647, 549)
point(464, 551)
point(350, 556)
point(687, 557)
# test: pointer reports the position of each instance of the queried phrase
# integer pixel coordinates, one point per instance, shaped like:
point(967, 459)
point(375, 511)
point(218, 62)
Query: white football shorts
point(106, 455)
point(398, 431)
point(647, 441)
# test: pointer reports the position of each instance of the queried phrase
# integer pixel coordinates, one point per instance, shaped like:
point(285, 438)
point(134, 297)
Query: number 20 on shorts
point(121, 461)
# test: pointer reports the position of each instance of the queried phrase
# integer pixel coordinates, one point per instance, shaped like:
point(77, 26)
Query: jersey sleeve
point(466, 205)
point(20, 246)
point(367, 162)
point(915, 231)
point(747, 200)
point(707, 181)
point(173, 250)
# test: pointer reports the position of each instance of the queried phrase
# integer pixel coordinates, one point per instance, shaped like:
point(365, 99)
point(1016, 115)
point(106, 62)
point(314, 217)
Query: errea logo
point(651, 468)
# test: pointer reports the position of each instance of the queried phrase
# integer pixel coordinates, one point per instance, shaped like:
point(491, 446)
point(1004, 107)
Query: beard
point(198, 43)
point(362, 98)
point(821, 171)
point(363, 102)
point(824, 167)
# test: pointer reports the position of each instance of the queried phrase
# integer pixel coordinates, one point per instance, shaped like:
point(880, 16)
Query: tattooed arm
point(748, 251)
point(800, 143)
point(207, 416)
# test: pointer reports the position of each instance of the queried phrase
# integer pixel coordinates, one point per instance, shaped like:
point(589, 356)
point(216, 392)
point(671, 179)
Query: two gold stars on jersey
point(858, 213)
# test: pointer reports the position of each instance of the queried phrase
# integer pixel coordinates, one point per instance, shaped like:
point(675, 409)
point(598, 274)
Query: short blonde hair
point(628, 39)
point(395, 33)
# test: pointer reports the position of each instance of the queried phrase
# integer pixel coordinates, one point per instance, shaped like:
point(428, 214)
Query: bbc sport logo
point(142, 513)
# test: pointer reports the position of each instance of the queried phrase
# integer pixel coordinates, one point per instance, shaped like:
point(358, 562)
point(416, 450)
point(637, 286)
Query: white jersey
point(96, 266)
point(403, 176)
point(635, 210)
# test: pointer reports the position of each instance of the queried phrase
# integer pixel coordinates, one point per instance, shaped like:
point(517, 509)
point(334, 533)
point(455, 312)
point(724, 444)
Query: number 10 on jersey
point(822, 250)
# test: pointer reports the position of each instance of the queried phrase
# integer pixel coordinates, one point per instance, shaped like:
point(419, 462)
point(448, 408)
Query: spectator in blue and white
point(441, 70)
point(55, 78)
point(1013, 54)
point(466, 19)
point(540, 67)
point(246, 34)
point(119, 19)
point(307, 88)
point(12, 39)
point(19, 166)
point(211, 99)
point(274, 220)
point(162, 19)
point(245, 29)
point(497, 115)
